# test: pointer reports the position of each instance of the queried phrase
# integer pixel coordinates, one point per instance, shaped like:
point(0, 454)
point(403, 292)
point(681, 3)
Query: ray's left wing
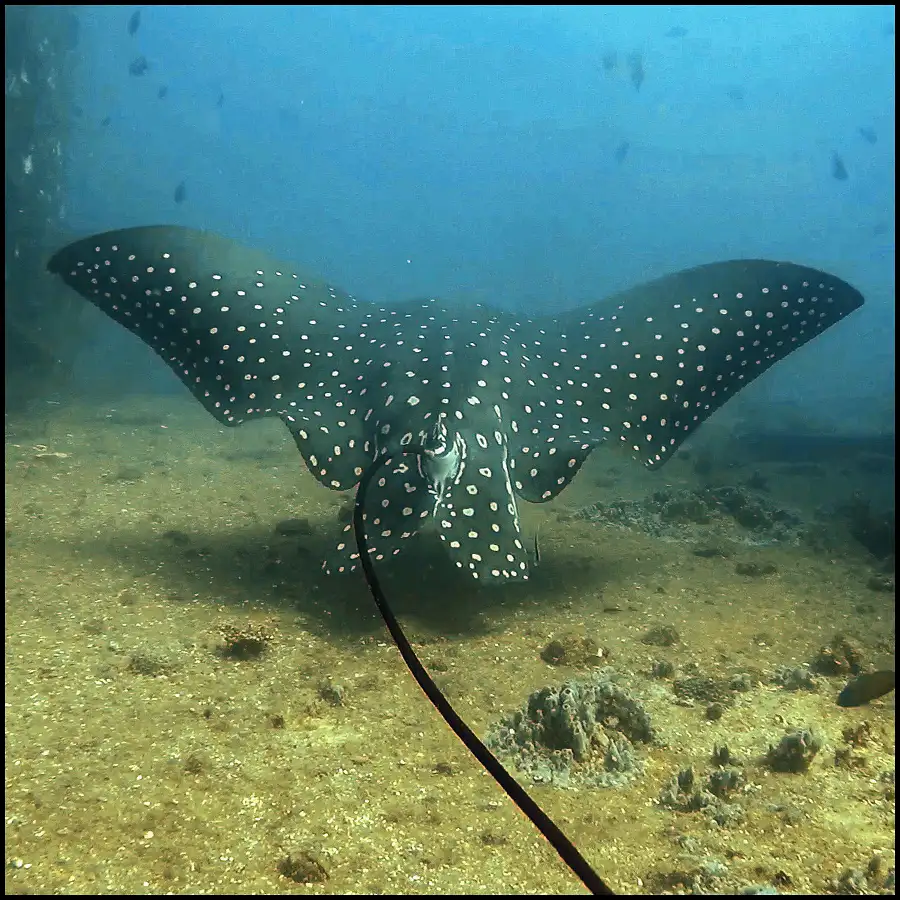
point(647, 366)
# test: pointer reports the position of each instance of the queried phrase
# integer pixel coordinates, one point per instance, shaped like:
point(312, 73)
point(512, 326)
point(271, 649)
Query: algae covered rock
point(582, 732)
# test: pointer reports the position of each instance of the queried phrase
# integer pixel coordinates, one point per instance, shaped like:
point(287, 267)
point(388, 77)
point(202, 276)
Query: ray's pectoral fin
point(248, 335)
point(336, 454)
point(647, 366)
point(540, 471)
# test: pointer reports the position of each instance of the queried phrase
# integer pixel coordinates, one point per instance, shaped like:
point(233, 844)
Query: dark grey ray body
point(506, 407)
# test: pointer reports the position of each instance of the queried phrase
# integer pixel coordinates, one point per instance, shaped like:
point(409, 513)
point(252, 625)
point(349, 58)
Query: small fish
point(869, 135)
point(838, 169)
point(676, 32)
point(609, 61)
point(105, 122)
point(736, 94)
point(621, 152)
point(180, 192)
point(162, 92)
point(134, 22)
point(537, 551)
point(138, 66)
point(867, 687)
point(636, 66)
point(220, 101)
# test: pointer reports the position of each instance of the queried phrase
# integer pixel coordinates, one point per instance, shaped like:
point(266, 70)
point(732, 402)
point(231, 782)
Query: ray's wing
point(649, 365)
point(247, 335)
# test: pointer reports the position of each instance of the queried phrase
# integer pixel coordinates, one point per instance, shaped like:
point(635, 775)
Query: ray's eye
point(435, 444)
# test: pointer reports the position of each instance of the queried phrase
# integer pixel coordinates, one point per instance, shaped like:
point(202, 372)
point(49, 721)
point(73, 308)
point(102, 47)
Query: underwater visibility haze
point(513, 251)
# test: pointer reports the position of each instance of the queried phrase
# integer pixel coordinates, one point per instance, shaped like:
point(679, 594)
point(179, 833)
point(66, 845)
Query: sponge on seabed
point(582, 731)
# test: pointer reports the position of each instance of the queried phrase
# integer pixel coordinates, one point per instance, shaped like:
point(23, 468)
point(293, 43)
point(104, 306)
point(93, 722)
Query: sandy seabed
point(142, 759)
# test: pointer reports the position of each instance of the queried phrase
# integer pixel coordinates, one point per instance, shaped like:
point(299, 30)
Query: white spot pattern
point(506, 407)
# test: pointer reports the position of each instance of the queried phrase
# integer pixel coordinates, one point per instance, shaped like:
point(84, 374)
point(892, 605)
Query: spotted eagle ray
point(502, 407)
